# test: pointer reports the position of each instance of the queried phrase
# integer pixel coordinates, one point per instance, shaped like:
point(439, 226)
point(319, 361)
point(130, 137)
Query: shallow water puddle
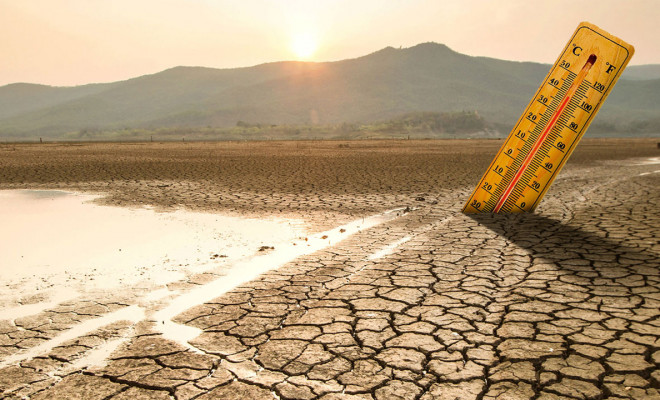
point(649, 161)
point(59, 236)
point(54, 240)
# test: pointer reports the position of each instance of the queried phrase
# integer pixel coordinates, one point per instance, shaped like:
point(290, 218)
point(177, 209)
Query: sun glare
point(304, 46)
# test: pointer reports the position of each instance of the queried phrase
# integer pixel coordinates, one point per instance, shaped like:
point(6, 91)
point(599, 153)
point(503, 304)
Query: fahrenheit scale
point(553, 123)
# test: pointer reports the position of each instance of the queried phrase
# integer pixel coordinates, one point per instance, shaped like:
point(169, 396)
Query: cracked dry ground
point(561, 304)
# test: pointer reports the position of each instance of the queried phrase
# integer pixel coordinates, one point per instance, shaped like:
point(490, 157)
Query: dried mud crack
point(432, 304)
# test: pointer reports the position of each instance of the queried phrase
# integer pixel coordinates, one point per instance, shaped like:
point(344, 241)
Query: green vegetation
point(412, 125)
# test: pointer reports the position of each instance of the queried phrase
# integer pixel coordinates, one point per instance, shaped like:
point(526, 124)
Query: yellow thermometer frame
point(553, 123)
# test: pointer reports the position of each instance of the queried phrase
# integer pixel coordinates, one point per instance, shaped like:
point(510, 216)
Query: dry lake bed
point(324, 270)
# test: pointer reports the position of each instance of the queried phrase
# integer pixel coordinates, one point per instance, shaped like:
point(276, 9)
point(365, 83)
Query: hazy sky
point(71, 42)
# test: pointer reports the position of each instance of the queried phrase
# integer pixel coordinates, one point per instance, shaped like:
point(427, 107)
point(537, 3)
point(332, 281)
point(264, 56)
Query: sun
point(304, 45)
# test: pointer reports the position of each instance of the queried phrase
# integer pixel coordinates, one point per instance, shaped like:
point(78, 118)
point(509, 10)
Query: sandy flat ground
point(323, 180)
point(419, 303)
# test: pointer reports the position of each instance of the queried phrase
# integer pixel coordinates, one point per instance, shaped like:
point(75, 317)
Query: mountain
point(377, 87)
point(642, 72)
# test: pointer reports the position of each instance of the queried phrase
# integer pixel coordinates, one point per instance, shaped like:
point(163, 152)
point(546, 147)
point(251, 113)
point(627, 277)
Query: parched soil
point(563, 303)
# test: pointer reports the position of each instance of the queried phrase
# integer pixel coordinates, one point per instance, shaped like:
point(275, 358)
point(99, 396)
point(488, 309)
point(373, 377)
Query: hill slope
point(379, 86)
point(642, 72)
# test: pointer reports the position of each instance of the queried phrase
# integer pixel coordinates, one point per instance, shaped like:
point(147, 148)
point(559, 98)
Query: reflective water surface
point(62, 241)
point(59, 245)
